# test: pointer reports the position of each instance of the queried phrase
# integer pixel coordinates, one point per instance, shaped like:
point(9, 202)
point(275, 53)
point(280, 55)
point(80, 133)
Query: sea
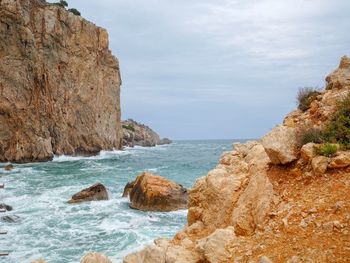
point(43, 225)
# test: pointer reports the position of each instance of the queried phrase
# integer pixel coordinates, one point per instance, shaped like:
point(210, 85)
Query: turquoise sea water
point(48, 227)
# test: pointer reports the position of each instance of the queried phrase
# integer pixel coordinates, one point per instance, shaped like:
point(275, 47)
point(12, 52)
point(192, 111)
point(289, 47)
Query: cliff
point(279, 199)
point(59, 84)
point(137, 134)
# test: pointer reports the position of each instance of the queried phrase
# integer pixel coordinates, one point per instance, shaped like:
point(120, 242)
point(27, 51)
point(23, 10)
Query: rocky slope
point(59, 84)
point(270, 200)
point(137, 134)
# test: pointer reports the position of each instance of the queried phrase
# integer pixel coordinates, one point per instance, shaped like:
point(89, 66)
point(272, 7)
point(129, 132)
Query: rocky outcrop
point(94, 257)
point(137, 134)
point(93, 193)
point(59, 84)
point(151, 192)
point(269, 200)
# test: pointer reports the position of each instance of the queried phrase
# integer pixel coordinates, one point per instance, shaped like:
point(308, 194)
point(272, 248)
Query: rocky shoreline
point(272, 200)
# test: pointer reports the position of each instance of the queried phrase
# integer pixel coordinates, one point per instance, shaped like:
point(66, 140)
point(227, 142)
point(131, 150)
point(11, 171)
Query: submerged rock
point(151, 192)
point(93, 193)
point(10, 219)
point(9, 167)
point(94, 257)
point(5, 206)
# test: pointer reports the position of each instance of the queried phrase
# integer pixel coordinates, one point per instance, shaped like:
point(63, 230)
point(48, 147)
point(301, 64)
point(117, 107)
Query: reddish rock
point(93, 193)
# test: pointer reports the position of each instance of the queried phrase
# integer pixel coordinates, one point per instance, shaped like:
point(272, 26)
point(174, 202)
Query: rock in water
point(128, 188)
point(94, 193)
point(5, 206)
point(94, 257)
point(60, 84)
point(151, 192)
point(9, 167)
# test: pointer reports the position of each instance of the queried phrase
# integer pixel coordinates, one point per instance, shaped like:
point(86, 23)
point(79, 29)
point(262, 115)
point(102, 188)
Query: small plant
point(129, 127)
point(61, 3)
point(74, 11)
point(338, 129)
point(305, 97)
point(327, 149)
point(314, 135)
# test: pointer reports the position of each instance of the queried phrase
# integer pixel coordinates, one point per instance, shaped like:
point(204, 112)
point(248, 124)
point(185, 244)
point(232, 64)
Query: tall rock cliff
point(272, 200)
point(59, 84)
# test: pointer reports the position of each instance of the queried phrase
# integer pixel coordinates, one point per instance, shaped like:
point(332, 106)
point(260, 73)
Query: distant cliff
point(137, 134)
point(59, 84)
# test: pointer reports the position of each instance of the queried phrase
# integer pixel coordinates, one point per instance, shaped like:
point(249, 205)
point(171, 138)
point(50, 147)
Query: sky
point(219, 69)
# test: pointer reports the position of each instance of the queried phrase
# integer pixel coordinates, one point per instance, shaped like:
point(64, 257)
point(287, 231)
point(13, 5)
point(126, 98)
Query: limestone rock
point(280, 144)
point(137, 134)
point(340, 161)
point(264, 259)
point(93, 193)
point(94, 257)
point(307, 151)
point(180, 254)
point(253, 205)
point(215, 247)
point(151, 192)
point(339, 79)
point(319, 164)
point(150, 254)
point(59, 85)
point(40, 260)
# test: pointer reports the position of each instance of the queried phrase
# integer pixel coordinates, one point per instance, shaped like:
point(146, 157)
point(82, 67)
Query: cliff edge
point(59, 84)
point(284, 198)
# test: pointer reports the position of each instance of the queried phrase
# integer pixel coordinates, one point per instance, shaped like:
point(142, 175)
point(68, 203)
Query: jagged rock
point(339, 79)
point(253, 205)
point(319, 164)
point(5, 206)
point(10, 219)
point(150, 254)
point(280, 144)
point(94, 257)
point(307, 151)
point(340, 161)
point(214, 248)
point(59, 84)
point(154, 193)
point(137, 134)
point(93, 193)
point(9, 167)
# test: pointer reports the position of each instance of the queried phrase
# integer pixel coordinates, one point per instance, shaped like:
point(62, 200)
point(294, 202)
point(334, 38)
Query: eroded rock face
point(151, 192)
point(59, 84)
point(94, 257)
point(96, 192)
point(137, 134)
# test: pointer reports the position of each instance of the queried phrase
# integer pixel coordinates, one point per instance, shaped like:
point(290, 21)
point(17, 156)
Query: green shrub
point(61, 3)
point(338, 129)
point(129, 127)
point(305, 97)
point(314, 135)
point(74, 11)
point(327, 149)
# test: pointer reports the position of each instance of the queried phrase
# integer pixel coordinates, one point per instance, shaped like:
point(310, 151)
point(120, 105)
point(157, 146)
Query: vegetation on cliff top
point(305, 97)
point(64, 4)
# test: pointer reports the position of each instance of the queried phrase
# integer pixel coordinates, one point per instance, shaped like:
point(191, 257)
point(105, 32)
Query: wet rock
point(94, 257)
point(96, 192)
point(5, 206)
point(40, 260)
point(10, 219)
point(127, 189)
point(9, 167)
point(154, 193)
point(165, 141)
point(280, 145)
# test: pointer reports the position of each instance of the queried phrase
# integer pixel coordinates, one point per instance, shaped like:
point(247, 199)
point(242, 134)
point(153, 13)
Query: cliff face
point(270, 200)
point(59, 84)
point(137, 134)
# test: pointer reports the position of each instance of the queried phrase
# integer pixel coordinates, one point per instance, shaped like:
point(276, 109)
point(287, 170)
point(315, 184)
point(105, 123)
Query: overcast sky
point(219, 69)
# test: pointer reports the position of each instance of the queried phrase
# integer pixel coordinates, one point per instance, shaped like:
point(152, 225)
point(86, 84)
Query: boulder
point(6, 207)
point(40, 260)
point(280, 144)
point(94, 257)
point(319, 164)
point(93, 193)
point(307, 151)
point(165, 141)
point(151, 192)
point(128, 188)
point(9, 167)
point(340, 161)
